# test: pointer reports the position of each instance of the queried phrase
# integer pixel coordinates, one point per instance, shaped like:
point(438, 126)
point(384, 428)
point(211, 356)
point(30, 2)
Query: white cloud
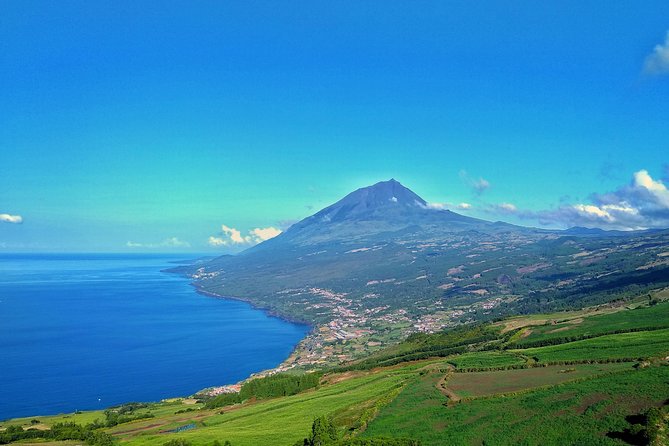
point(263, 234)
point(479, 185)
point(590, 211)
point(656, 188)
point(508, 208)
point(216, 241)
point(231, 236)
point(172, 242)
point(234, 234)
point(393, 199)
point(446, 205)
point(642, 204)
point(8, 218)
point(657, 63)
point(175, 242)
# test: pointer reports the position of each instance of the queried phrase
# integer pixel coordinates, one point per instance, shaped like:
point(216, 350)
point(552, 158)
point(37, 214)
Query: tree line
point(280, 384)
point(89, 433)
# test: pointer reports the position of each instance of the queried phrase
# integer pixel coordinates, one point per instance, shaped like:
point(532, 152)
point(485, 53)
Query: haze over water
point(90, 331)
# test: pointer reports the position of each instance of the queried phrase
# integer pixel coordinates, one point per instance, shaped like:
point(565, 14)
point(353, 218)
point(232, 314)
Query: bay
point(81, 332)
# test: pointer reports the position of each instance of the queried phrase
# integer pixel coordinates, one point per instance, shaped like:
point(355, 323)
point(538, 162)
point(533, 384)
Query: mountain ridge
point(386, 206)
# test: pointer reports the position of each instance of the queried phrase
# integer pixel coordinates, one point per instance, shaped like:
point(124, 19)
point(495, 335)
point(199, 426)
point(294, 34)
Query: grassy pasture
point(489, 383)
point(624, 345)
point(534, 320)
point(578, 412)
point(159, 410)
point(486, 360)
point(79, 418)
point(645, 317)
point(280, 421)
point(537, 320)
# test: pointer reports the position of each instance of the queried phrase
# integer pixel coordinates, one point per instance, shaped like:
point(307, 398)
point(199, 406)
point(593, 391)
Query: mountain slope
point(381, 264)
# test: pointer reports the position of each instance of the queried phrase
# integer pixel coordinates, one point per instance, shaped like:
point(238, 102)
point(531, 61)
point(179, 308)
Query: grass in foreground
point(279, 421)
point(581, 412)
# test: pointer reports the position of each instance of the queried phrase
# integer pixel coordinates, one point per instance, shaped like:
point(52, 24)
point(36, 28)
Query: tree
point(323, 431)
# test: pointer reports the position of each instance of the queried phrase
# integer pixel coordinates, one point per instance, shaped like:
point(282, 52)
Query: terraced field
point(507, 381)
point(634, 345)
point(645, 318)
point(582, 412)
point(487, 360)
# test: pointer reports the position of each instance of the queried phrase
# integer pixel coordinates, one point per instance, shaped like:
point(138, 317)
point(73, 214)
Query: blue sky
point(131, 126)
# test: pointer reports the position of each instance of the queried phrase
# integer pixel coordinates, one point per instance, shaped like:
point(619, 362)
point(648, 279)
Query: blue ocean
point(84, 332)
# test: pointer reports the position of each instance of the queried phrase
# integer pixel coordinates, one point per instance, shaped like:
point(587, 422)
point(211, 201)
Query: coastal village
point(352, 333)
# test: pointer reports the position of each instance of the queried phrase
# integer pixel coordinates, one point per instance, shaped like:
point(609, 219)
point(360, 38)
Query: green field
point(485, 360)
point(625, 345)
point(278, 421)
point(490, 383)
point(581, 412)
point(641, 318)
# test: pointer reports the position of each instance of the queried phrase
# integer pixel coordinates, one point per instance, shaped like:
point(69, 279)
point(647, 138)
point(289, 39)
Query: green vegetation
point(486, 360)
point(280, 384)
point(222, 400)
point(640, 319)
point(466, 385)
point(581, 412)
point(90, 433)
point(182, 442)
point(282, 421)
point(624, 346)
point(324, 433)
point(422, 346)
point(125, 414)
point(376, 441)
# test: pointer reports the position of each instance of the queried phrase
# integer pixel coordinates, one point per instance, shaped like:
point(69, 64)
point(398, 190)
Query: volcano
point(379, 212)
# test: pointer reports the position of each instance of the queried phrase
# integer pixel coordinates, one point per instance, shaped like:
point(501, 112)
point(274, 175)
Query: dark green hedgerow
point(89, 433)
point(280, 384)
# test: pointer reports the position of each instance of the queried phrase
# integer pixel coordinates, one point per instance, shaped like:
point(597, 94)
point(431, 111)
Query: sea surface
point(82, 332)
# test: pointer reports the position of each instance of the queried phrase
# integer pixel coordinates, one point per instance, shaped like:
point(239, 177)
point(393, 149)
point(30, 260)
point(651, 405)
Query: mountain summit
point(377, 212)
point(382, 196)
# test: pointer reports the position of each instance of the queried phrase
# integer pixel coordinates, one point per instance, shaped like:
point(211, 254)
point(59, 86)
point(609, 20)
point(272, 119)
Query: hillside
point(474, 385)
point(381, 264)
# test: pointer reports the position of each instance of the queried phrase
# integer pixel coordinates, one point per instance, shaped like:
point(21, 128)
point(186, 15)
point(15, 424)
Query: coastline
point(141, 275)
point(267, 311)
point(283, 366)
